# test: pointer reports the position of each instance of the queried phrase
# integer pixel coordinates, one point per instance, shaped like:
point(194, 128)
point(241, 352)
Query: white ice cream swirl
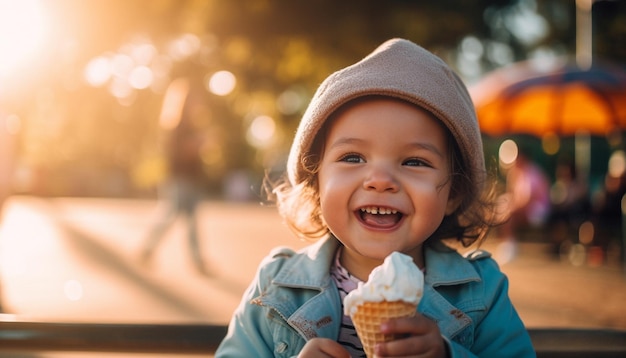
point(397, 279)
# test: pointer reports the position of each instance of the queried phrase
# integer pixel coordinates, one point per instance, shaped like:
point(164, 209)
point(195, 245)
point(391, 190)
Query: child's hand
point(421, 338)
point(323, 347)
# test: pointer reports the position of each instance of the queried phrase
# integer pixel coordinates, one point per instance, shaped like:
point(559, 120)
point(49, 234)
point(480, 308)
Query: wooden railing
point(194, 339)
point(92, 337)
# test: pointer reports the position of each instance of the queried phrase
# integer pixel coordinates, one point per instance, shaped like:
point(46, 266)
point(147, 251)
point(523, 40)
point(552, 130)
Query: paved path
point(77, 260)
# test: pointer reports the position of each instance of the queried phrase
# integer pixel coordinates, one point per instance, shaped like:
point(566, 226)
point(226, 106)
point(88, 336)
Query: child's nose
point(380, 179)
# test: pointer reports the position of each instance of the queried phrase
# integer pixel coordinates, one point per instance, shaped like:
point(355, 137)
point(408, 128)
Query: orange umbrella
point(561, 100)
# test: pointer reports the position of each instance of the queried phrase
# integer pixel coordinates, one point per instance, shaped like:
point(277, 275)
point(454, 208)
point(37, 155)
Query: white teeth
point(379, 210)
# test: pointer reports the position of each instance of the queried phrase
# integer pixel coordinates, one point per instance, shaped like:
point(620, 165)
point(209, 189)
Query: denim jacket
point(293, 299)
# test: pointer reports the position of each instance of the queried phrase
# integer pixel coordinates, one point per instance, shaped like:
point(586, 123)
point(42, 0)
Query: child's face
point(384, 178)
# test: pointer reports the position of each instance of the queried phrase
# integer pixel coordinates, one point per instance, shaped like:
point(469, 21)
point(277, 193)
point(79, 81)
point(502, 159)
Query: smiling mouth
point(379, 216)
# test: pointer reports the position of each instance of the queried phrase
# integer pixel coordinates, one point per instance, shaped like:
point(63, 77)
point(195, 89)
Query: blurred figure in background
point(570, 204)
point(528, 200)
point(608, 210)
point(183, 189)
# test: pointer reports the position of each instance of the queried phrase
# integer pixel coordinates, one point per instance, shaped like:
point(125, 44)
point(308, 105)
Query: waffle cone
point(370, 315)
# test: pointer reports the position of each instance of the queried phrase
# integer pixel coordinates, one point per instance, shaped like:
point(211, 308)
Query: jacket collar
point(320, 314)
point(310, 269)
point(444, 267)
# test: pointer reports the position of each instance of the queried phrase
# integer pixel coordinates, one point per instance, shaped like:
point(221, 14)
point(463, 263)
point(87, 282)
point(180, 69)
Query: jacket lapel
point(445, 267)
point(317, 313)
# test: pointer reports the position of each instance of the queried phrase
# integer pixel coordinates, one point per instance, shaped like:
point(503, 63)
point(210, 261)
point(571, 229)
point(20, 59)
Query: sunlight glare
point(21, 31)
point(73, 290)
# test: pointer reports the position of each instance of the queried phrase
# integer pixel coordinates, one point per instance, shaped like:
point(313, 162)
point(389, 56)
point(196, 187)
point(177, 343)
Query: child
point(388, 157)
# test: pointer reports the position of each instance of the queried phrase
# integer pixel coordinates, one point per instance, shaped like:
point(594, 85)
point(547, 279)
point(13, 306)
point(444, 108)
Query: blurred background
point(90, 89)
point(82, 82)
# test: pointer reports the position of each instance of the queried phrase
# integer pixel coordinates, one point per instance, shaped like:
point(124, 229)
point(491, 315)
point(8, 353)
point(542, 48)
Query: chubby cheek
point(334, 200)
point(433, 203)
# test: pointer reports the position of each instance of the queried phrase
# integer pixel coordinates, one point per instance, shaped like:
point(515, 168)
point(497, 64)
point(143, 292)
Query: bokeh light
point(120, 88)
point(143, 53)
point(184, 47)
point(617, 164)
point(122, 65)
point(551, 143)
point(290, 102)
point(261, 131)
point(221, 83)
point(508, 152)
point(586, 233)
point(500, 53)
point(134, 67)
point(140, 77)
point(98, 71)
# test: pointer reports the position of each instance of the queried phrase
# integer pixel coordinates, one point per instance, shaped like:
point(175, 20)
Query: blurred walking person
point(183, 188)
point(571, 206)
point(528, 199)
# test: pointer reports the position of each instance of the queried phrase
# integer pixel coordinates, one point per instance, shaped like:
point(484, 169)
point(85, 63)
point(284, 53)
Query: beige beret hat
point(401, 69)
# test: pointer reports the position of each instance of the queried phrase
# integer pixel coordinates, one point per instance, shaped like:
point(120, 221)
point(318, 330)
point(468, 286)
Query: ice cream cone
point(370, 315)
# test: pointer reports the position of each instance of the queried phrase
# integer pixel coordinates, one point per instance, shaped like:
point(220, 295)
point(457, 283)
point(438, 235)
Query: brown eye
point(416, 162)
point(352, 158)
